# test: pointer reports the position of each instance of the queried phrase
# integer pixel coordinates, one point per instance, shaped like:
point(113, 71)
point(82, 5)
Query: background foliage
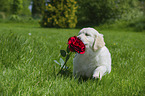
point(38, 8)
point(76, 13)
point(5, 6)
point(26, 11)
point(60, 13)
point(17, 7)
point(100, 11)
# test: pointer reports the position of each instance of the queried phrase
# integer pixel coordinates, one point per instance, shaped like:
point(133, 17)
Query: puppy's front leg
point(99, 72)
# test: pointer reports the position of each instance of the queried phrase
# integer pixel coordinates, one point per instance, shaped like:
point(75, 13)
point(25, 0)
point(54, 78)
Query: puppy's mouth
point(86, 45)
point(83, 41)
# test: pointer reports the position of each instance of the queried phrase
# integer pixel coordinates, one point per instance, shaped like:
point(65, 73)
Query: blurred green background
point(75, 13)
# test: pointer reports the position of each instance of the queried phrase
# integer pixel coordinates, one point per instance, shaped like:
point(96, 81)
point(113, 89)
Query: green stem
point(67, 58)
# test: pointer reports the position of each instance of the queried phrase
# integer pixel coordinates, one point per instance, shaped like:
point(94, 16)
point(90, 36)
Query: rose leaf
point(61, 61)
point(63, 53)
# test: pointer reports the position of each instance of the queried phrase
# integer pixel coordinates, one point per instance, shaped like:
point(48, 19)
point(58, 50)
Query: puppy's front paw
point(96, 77)
point(99, 72)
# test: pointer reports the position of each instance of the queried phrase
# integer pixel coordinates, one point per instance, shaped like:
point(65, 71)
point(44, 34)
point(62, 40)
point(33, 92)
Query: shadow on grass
point(81, 79)
point(65, 73)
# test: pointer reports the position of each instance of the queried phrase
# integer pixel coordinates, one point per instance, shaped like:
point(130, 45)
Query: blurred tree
point(5, 6)
point(38, 8)
point(26, 10)
point(142, 3)
point(17, 7)
point(60, 13)
point(99, 11)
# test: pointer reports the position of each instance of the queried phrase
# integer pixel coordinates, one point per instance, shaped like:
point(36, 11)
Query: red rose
point(76, 45)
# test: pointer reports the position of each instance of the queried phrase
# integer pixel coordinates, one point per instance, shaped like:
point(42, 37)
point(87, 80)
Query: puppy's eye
point(87, 34)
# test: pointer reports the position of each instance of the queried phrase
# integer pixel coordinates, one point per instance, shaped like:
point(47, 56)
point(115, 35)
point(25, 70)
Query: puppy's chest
point(85, 62)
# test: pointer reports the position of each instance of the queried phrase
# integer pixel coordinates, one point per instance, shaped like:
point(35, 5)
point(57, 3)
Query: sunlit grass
point(27, 64)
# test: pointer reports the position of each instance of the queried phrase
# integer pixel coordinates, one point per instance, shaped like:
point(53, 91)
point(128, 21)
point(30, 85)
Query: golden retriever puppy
point(96, 61)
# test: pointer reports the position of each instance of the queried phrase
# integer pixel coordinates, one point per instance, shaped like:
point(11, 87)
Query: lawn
point(27, 67)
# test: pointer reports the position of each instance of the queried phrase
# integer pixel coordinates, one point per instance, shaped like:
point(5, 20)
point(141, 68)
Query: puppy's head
point(91, 38)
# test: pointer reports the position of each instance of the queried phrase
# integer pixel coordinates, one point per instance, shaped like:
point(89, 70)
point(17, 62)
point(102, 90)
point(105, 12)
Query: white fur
point(96, 60)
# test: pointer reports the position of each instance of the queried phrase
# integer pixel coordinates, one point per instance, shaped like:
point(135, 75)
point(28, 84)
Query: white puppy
point(96, 60)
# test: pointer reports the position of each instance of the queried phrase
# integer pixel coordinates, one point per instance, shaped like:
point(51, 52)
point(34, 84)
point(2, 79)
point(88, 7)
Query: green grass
point(27, 63)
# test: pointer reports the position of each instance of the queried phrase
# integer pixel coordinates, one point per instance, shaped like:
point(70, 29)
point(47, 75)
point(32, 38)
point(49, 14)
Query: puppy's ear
point(98, 42)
